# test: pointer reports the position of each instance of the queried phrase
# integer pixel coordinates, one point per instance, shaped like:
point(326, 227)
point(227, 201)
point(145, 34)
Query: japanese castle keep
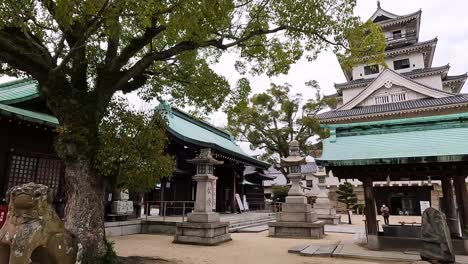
point(406, 122)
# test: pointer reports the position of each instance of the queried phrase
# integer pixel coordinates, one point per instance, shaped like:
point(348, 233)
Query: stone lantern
point(203, 226)
point(293, 164)
point(296, 219)
point(322, 206)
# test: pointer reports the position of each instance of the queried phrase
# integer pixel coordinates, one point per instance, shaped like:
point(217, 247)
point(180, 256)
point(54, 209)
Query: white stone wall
point(434, 81)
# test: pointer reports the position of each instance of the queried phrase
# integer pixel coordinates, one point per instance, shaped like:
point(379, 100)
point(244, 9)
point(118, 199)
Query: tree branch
point(135, 45)
point(16, 50)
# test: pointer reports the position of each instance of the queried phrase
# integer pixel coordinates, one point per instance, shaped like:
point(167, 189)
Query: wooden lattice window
point(30, 168)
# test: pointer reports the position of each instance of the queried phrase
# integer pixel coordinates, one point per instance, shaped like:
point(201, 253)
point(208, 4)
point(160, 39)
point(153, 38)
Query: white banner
point(424, 205)
point(239, 202)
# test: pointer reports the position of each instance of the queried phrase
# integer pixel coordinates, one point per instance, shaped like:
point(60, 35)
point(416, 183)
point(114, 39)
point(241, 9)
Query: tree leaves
point(346, 195)
point(131, 149)
point(270, 120)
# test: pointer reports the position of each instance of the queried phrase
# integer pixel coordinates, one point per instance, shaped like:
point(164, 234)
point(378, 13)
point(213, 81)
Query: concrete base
point(203, 217)
point(414, 244)
point(123, 228)
point(313, 230)
point(306, 217)
point(158, 227)
point(329, 219)
point(207, 234)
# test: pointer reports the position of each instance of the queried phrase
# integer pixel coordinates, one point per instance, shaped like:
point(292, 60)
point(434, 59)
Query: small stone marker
point(297, 249)
point(309, 251)
point(325, 251)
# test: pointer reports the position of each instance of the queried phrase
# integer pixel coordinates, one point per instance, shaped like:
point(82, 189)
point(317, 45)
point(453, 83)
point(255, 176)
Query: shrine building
point(27, 154)
point(406, 122)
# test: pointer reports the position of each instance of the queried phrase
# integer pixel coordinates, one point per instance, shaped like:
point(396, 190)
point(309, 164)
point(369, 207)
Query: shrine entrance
point(413, 149)
point(402, 200)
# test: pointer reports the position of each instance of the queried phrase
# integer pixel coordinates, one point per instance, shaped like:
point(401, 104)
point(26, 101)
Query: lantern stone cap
point(321, 172)
point(205, 157)
point(294, 157)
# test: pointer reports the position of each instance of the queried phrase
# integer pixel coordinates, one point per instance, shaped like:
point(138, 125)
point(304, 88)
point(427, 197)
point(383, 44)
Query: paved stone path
point(349, 249)
point(328, 229)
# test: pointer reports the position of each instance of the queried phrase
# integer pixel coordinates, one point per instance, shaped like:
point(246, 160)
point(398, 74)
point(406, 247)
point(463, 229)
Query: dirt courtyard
point(245, 248)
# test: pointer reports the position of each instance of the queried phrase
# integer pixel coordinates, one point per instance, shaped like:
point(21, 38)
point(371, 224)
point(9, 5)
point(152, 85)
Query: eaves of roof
point(27, 115)
point(394, 108)
point(190, 130)
point(400, 19)
point(18, 91)
point(412, 74)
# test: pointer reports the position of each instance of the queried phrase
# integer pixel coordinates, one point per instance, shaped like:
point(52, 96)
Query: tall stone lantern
point(297, 218)
point(203, 226)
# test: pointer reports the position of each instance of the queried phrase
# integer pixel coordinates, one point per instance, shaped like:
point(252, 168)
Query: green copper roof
point(8, 110)
point(418, 140)
point(18, 91)
point(186, 128)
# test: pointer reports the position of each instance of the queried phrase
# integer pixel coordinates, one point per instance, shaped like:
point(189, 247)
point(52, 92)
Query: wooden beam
point(371, 215)
point(462, 202)
point(449, 206)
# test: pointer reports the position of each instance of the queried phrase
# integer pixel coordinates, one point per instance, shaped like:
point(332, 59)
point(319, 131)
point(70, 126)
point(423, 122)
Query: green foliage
point(111, 256)
point(346, 195)
point(359, 207)
point(167, 46)
point(132, 148)
point(270, 120)
point(279, 193)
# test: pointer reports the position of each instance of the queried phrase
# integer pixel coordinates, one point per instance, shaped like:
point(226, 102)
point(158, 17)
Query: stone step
point(250, 221)
point(235, 228)
point(251, 218)
point(253, 229)
point(314, 250)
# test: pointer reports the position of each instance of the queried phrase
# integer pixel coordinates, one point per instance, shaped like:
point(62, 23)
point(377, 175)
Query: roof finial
point(378, 4)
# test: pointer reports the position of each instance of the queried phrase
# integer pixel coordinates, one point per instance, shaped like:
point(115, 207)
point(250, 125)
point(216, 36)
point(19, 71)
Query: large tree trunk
point(85, 208)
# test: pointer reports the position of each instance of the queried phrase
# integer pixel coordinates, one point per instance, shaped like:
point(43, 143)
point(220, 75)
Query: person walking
point(385, 213)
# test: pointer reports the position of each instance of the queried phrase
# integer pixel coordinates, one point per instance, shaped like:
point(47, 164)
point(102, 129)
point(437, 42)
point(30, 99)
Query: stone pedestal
point(297, 220)
point(325, 212)
point(203, 226)
point(207, 234)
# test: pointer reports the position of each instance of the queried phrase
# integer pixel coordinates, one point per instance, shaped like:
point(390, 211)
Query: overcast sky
point(444, 19)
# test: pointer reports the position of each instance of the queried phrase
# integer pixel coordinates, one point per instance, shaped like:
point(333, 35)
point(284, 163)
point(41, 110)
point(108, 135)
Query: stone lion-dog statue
point(33, 232)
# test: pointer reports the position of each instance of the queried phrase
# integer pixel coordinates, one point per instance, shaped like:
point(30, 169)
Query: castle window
point(382, 99)
point(309, 183)
point(396, 34)
point(401, 64)
point(371, 69)
point(399, 97)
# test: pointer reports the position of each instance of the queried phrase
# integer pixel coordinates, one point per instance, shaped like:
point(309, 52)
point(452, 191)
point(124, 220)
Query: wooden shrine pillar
point(449, 206)
point(371, 215)
point(462, 202)
point(233, 196)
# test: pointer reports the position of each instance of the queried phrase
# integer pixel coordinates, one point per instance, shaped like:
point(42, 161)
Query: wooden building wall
point(27, 154)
